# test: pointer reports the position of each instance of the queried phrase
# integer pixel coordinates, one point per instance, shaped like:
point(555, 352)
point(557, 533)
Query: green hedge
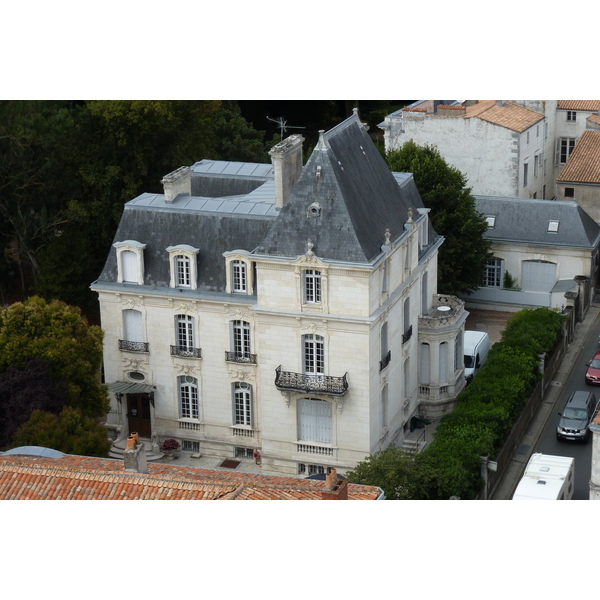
point(485, 412)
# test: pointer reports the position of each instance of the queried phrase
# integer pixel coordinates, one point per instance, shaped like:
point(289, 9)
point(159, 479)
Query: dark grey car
point(575, 419)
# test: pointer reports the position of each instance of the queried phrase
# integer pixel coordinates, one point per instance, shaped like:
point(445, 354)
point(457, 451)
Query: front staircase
point(117, 450)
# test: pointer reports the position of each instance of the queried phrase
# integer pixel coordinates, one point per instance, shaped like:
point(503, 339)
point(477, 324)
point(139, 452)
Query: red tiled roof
point(511, 116)
point(594, 119)
point(590, 105)
point(83, 478)
point(583, 166)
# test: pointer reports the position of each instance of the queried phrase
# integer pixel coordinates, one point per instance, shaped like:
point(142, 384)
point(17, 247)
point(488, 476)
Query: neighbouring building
point(546, 253)
point(281, 309)
point(579, 180)
point(31, 473)
point(512, 148)
point(595, 472)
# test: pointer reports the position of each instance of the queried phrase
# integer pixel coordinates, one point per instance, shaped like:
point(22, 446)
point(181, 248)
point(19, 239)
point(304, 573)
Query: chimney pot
point(130, 443)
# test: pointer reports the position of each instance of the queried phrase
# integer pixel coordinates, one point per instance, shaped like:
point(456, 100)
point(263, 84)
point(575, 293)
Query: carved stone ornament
point(387, 238)
point(240, 314)
point(183, 309)
point(309, 247)
point(241, 375)
point(340, 404)
point(186, 369)
point(287, 397)
point(313, 327)
point(135, 364)
point(130, 302)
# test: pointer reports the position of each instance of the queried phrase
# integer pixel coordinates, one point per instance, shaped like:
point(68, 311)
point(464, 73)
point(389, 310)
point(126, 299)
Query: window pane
point(182, 264)
point(312, 286)
point(238, 270)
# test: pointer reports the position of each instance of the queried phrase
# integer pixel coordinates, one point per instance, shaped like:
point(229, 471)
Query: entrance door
point(138, 414)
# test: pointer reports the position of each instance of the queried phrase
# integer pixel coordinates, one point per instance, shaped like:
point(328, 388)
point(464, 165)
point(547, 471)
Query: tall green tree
point(59, 335)
point(465, 252)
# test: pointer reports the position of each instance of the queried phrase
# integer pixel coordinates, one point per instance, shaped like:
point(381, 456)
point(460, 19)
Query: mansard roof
point(355, 196)
point(527, 221)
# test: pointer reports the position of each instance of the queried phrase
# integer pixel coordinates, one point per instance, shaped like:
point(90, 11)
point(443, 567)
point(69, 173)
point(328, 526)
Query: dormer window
point(183, 263)
point(130, 262)
point(240, 272)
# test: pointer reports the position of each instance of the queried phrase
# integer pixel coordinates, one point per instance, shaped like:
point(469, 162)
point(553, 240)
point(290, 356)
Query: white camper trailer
point(476, 347)
point(547, 477)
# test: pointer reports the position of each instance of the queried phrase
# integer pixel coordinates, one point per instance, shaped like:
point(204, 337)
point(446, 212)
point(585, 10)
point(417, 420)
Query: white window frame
point(242, 404)
point(137, 249)
point(312, 286)
point(313, 354)
point(133, 325)
point(564, 149)
point(189, 405)
point(183, 255)
point(494, 272)
point(239, 276)
point(240, 338)
point(184, 332)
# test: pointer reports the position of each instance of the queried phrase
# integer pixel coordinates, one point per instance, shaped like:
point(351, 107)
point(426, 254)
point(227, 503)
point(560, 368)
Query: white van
point(547, 477)
point(476, 346)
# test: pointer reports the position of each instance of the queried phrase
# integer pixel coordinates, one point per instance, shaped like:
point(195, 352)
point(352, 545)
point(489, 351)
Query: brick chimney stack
point(335, 489)
point(135, 455)
point(286, 158)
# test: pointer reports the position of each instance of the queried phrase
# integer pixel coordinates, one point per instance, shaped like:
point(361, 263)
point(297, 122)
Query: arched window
point(188, 398)
point(242, 403)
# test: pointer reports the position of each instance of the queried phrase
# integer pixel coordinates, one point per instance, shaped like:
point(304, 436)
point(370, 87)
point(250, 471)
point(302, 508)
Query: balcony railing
point(407, 335)
point(324, 384)
point(133, 346)
point(385, 361)
point(238, 357)
point(186, 352)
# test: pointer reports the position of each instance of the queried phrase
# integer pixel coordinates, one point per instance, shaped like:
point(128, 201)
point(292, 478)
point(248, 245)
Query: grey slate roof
point(359, 197)
point(226, 225)
point(526, 221)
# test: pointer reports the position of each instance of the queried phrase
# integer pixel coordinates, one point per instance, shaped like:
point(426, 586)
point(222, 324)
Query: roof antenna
point(282, 124)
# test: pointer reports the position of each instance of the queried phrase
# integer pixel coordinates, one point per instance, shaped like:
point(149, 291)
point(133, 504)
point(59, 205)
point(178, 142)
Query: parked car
point(576, 417)
point(592, 375)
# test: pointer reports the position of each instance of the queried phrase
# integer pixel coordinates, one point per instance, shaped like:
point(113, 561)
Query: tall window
point(182, 266)
point(130, 261)
point(443, 373)
point(130, 266)
point(525, 170)
point(384, 406)
point(493, 273)
point(238, 276)
point(314, 354)
point(312, 286)
point(188, 398)
point(314, 420)
point(564, 148)
point(241, 339)
point(242, 403)
point(132, 325)
point(185, 332)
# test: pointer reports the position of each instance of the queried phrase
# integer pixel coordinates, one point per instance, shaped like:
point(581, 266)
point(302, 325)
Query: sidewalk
point(514, 472)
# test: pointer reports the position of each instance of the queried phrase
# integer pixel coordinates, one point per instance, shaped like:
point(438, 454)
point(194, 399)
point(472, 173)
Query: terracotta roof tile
point(594, 119)
point(77, 477)
point(590, 105)
point(583, 166)
point(511, 116)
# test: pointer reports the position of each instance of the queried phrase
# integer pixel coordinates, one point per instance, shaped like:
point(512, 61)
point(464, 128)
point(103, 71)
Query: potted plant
point(170, 447)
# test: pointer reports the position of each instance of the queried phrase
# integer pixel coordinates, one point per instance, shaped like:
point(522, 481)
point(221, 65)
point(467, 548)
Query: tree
point(60, 335)
point(24, 390)
point(70, 432)
point(465, 252)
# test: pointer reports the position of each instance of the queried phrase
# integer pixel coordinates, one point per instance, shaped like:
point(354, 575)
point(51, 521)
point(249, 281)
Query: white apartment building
point(282, 309)
point(512, 148)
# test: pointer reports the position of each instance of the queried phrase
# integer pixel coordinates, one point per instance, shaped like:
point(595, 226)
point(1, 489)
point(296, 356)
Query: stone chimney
point(135, 455)
point(177, 182)
point(335, 489)
point(287, 166)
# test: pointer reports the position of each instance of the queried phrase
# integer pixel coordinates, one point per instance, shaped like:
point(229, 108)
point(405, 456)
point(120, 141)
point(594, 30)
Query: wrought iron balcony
point(323, 384)
point(385, 361)
point(237, 357)
point(133, 346)
point(407, 335)
point(186, 352)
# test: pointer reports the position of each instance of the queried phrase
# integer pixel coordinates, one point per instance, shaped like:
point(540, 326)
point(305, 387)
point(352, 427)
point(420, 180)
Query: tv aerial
point(283, 126)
